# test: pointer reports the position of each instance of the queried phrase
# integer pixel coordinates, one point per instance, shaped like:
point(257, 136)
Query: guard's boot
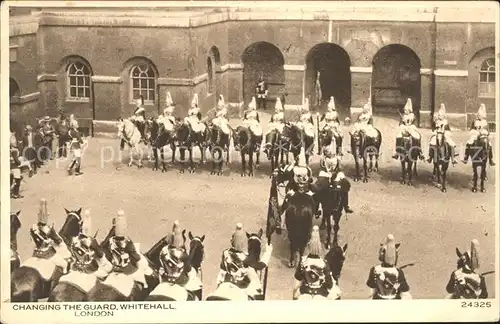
point(467, 153)
point(399, 148)
point(17, 187)
point(122, 144)
point(347, 209)
point(432, 151)
point(454, 155)
point(70, 168)
point(77, 169)
point(418, 143)
point(490, 155)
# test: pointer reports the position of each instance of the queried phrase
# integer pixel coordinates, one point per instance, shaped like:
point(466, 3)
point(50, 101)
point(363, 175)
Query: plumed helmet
point(278, 107)
point(408, 107)
point(87, 223)
point(367, 108)
point(177, 239)
point(253, 104)
point(221, 104)
point(168, 100)
point(441, 111)
point(314, 246)
point(43, 214)
point(194, 102)
point(140, 101)
point(474, 254)
point(331, 104)
point(239, 240)
point(120, 224)
point(388, 251)
point(481, 112)
point(305, 106)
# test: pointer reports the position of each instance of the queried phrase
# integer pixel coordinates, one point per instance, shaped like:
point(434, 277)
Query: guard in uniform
point(407, 126)
point(465, 282)
point(306, 121)
point(365, 122)
point(386, 280)
point(441, 126)
point(76, 143)
point(261, 91)
point(220, 119)
point(252, 121)
point(194, 117)
point(332, 122)
point(49, 133)
point(233, 267)
point(168, 119)
point(479, 127)
point(277, 123)
point(15, 172)
point(121, 251)
point(313, 275)
point(139, 116)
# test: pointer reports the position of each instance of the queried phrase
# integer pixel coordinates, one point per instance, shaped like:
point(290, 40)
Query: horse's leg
point(191, 160)
point(357, 177)
point(443, 177)
point(377, 154)
point(173, 149)
point(155, 157)
point(131, 156)
point(328, 218)
point(415, 169)
point(182, 151)
point(403, 171)
point(243, 163)
point(336, 225)
point(410, 172)
point(483, 175)
point(474, 176)
point(162, 156)
point(370, 168)
point(293, 249)
point(250, 162)
point(257, 162)
point(365, 170)
point(212, 153)
point(221, 161)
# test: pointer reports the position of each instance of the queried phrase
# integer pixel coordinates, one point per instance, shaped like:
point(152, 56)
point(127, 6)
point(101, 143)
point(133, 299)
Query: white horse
point(129, 132)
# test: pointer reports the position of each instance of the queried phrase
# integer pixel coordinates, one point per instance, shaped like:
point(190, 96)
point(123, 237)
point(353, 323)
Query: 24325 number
point(476, 304)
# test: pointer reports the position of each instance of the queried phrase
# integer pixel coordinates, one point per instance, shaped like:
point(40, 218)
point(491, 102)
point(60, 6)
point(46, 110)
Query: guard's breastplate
point(278, 118)
point(331, 116)
point(364, 118)
point(261, 87)
point(467, 285)
point(387, 282)
point(120, 258)
point(252, 115)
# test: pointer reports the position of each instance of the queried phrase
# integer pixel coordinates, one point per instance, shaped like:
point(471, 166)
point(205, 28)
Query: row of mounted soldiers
point(70, 265)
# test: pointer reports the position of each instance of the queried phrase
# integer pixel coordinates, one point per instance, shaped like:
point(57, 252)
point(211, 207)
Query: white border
point(270, 311)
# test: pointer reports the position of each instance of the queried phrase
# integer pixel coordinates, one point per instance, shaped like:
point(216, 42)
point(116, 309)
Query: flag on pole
point(273, 216)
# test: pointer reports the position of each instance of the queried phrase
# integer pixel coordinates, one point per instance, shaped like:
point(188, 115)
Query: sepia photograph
point(320, 153)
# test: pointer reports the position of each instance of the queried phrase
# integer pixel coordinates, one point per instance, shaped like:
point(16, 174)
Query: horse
point(129, 132)
point(219, 142)
point(248, 144)
point(363, 146)
point(232, 290)
point(36, 277)
point(298, 221)
point(335, 259)
point(441, 156)
point(479, 154)
point(276, 149)
point(467, 287)
point(15, 225)
point(297, 139)
point(333, 201)
point(160, 138)
point(409, 154)
point(187, 139)
point(327, 138)
point(192, 291)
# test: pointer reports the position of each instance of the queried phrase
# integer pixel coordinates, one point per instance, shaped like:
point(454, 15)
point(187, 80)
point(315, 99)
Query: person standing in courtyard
point(29, 150)
point(15, 172)
point(76, 143)
point(261, 91)
point(49, 133)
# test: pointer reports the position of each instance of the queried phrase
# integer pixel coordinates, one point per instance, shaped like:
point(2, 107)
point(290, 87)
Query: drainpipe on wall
point(433, 68)
point(93, 108)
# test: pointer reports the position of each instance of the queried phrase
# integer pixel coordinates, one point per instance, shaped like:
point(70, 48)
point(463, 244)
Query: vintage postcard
point(265, 161)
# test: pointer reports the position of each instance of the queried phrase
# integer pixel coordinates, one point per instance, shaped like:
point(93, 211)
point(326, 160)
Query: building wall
point(449, 53)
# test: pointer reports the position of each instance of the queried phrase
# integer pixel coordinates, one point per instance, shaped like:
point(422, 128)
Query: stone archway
point(395, 78)
point(333, 64)
point(262, 58)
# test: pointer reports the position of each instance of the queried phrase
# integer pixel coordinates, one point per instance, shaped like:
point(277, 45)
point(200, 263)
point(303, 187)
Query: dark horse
point(479, 153)
point(218, 143)
point(248, 144)
point(440, 154)
point(187, 139)
point(297, 139)
point(276, 149)
point(409, 153)
point(362, 147)
point(27, 283)
point(15, 225)
point(333, 201)
point(335, 259)
point(326, 138)
point(160, 138)
point(298, 219)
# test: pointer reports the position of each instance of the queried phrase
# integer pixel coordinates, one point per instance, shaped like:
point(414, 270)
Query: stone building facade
point(95, 62)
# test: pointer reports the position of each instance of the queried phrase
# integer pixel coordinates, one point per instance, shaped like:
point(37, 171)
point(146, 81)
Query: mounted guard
point(332, 123)
point(234, 268)
point(441, 126)
point(261, 91)
point(139, 116)
point(306, 122)
point(276, 124)
point(252, 122)
point(407, 128)
point(168, 118)
point(76, 143)
point(479, 128)
point(386, 281)
point(194, 117)
point(313, 278)
point(364, 122)
point(220, 119)
point(465, 282)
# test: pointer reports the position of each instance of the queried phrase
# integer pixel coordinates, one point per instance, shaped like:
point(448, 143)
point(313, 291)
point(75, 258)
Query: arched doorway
point(395, 78)
point(331, 64)
point(263, 58)
point(213, 70)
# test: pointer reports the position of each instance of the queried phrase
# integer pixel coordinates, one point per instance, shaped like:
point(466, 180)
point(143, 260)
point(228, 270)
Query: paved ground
point(430, 224)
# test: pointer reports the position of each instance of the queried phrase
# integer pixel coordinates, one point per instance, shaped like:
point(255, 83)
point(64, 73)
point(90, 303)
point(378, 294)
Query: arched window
point(487, 79)
point(14, 90)
point(78, 81)
point(211, 75)
point(143, 82)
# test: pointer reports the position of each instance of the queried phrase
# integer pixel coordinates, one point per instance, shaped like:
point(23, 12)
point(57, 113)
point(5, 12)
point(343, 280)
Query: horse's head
point(254, 244)
point(72, 226)
point(464, 260)
point(15, 223)
point(121, 126)
point(335, 258)
point(196, 250)
point(283, 174)
point(183, 132)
